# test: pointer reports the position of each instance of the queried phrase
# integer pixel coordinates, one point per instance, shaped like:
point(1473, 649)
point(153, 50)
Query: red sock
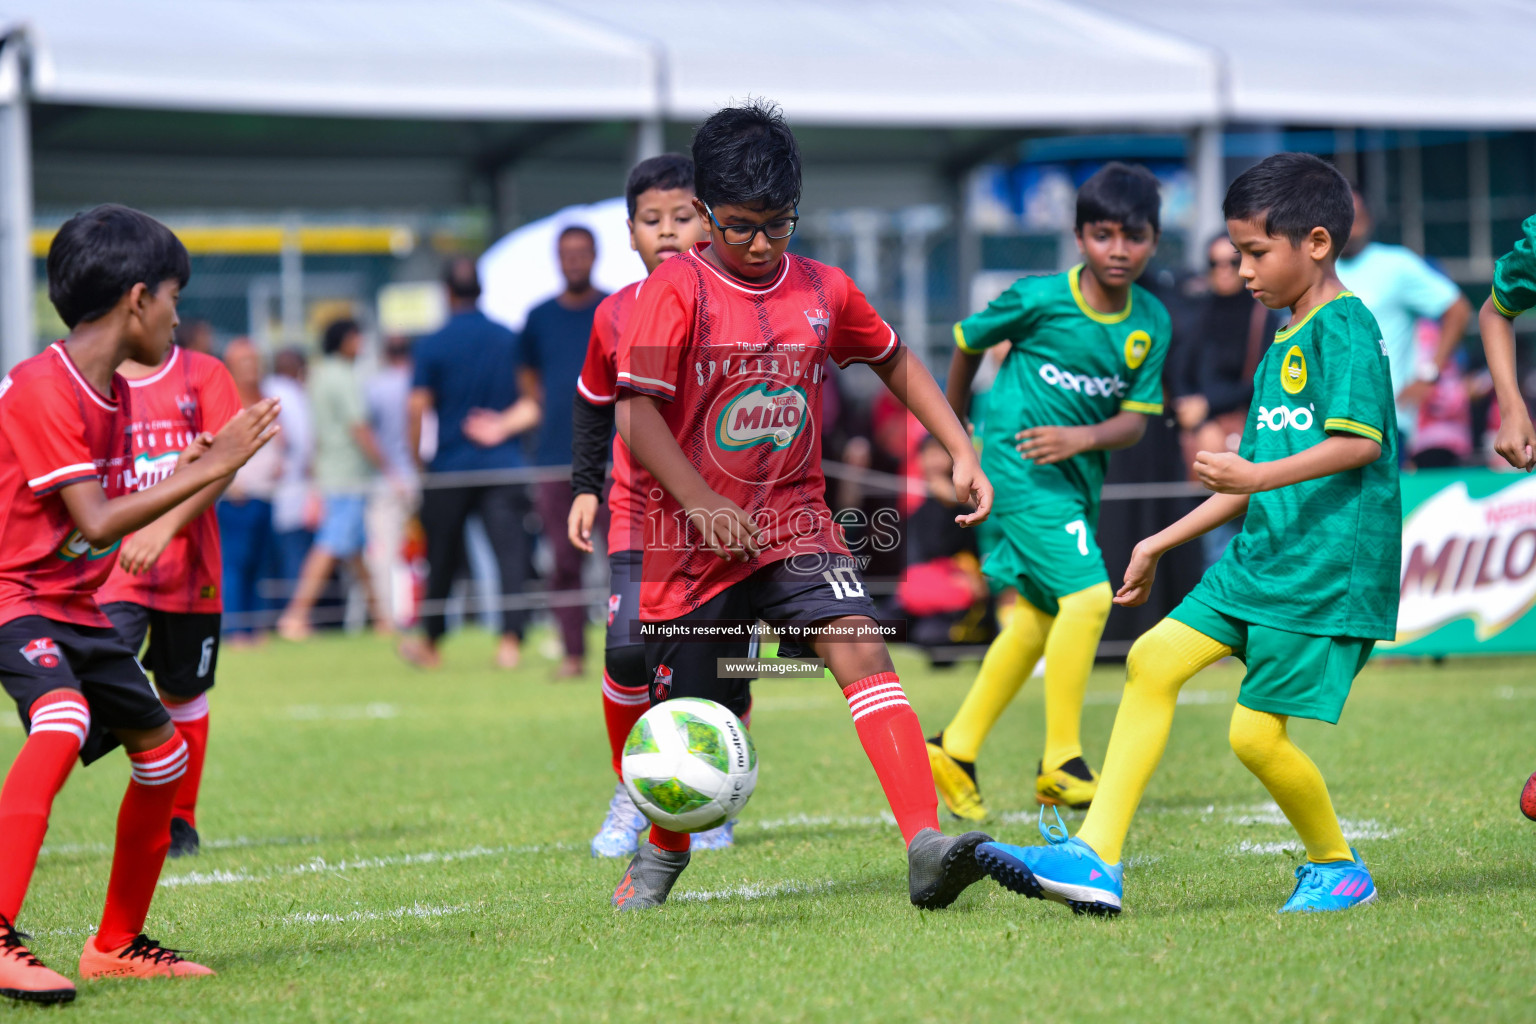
point(622, 708)
point(191, 720)
point(666, 839)
point(143, 836)
point(893, 742)
point(59, 724)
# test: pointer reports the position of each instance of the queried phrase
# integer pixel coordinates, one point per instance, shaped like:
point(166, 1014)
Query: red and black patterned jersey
point(190, 393)
point(739, 371)
point(598, 384)
point(56, 430)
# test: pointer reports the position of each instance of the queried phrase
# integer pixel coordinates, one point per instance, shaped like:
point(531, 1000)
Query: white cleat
point(620, 833)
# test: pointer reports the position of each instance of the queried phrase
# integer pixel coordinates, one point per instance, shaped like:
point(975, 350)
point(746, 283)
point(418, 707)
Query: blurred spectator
point(464, 372)
point(295, 512)
point(1443, 436)
point(245, 510)
point(394, 497)
point(1400, 288)
point(346, 457)
point(554, 344)
point(196, 335)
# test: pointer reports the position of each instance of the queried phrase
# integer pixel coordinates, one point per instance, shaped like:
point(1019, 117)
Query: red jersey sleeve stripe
point(647, 385)
point(885, 353)
point(61, 476)
point(593, 397)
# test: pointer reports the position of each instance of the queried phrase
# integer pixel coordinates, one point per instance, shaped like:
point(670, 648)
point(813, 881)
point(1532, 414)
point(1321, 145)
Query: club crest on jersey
point(661, 686)
point(820, 321)
point(762, 414)
point(1137, 344)
point(42, 652)
point(76, 546)
point(187, 406)
point(1293, 371)
point(613, 607)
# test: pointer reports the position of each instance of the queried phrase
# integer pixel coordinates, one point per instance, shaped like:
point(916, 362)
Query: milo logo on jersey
point(762, 415)
point(75, 546)
point(149, 470)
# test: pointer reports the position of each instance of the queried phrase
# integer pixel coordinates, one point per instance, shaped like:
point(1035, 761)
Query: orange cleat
point(23, 976)
point(141, 958)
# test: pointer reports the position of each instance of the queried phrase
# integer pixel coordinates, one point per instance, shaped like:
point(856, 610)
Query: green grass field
point(382, 844)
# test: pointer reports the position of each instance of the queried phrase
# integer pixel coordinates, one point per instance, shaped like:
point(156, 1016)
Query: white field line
point(1515, 692)
point(752, 891)
point(321, 866)
point(1112, 697)
point(340, 712)
point(415, 910)
point(229, 843)
point(1355, 830)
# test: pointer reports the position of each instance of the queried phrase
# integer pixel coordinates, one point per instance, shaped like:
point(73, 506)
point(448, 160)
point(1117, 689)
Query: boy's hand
point(195, 450)
point(578, 525)
point(1047, 445)
point(243, 436)
point(1516, 441)
point(485, 427)
point(1228, 473)
point(726, 530)
point(141, 550)
point(972, 485)
point(1139, 575)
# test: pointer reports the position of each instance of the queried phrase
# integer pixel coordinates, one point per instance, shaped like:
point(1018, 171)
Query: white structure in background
point(521, 270)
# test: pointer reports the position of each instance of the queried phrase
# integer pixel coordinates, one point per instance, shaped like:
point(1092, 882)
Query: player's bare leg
point(294, 624)
point(939, 867)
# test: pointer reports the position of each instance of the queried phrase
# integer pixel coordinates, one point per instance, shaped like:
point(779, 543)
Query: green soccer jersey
point(1069, 365)
point(1321, 557)
point(1514, 276)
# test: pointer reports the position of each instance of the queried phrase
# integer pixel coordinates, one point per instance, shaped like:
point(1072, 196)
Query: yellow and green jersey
point(1514, 276)
point(1321, 557)
point(1069, 365)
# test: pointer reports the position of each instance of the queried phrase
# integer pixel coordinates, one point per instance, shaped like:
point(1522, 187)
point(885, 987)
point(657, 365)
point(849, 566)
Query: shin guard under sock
point(143, 837)
point(191, 721)
point(59, 722)
point(893, 742)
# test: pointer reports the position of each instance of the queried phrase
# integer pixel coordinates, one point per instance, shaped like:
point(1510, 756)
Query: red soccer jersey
point(55, 430)
point(739, 369)
point(598, 384)
point(189, 394)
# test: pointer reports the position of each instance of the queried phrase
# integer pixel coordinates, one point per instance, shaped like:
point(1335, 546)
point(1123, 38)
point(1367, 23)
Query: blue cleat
point(1066, 871)
point(621, 829)
point(1338, 885)
point(717, 838)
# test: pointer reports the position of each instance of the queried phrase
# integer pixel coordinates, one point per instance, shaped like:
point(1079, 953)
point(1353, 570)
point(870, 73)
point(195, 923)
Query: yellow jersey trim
point(960, 343)
point(1089, 311)
point(1509, 314)
point(1289, 329)
point(1353, 427)
point(1150, 408)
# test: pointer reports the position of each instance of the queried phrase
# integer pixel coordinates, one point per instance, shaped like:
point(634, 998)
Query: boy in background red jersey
point(66, 453)
point(662, 223)
point(722, 365)
point(166, 583)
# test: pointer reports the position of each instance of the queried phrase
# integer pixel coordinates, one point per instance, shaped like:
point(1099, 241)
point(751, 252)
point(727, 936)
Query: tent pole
point(16, 283)
point(1210, 179)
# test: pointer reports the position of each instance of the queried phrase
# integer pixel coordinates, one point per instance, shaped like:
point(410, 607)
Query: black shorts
point(779, 594)
point(623, 597)
point(39, 655)
point(183, 649)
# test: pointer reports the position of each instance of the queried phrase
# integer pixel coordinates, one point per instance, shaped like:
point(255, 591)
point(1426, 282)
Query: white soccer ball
point(689, 764)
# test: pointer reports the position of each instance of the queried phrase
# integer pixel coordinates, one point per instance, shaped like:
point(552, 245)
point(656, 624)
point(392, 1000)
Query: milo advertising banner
point(1469, 564)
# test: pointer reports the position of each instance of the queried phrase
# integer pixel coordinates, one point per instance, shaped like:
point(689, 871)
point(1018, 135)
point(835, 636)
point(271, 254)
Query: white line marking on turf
point(752, 891)
point(320, 865)
point(341, 712)
point(1355, 829)
point(229, 843)
point(1515, 692)
point(415, 910)
point(1186, 697)
point(812, 821)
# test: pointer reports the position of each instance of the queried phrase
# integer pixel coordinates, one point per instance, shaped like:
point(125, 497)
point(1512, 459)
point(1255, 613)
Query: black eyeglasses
point(1231, 264)
point(742, 234)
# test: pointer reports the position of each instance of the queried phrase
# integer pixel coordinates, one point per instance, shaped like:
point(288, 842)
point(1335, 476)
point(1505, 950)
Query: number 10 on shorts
point(844, 583)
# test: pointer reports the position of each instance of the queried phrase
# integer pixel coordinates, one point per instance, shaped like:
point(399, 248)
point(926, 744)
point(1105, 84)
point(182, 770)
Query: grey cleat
point(940, 867)
point(650, 878)
point(184, 839)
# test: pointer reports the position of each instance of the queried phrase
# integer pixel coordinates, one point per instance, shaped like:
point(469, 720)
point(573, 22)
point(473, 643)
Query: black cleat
point(940, 867)
point(184, 839)
point(649, 879)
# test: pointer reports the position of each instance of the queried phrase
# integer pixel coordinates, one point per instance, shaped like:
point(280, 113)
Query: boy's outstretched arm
point(1142, 569)
point(727, 530)
point(957, 389)
point(1227, 473)
point(140, 551)
point(1516, 440)
point(103, 521)
point(1045, 445)
point(913, 386)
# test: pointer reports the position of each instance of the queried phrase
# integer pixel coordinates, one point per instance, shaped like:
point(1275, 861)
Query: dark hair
point(462, 279)
point(1289, 194)
point(577, 229)
point(665, 173)
point(747, 156)
point(1121, 193)
point(99, 255)
point(336, 334)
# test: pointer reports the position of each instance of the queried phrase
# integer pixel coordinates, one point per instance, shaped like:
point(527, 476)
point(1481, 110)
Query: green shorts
point(1047, 554)
point(1288, 673)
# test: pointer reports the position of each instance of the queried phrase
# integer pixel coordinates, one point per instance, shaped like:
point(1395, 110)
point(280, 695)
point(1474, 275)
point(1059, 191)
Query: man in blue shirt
point(554, 345)
point(463, 372)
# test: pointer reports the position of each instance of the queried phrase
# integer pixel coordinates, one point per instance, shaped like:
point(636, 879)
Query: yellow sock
point(1260, 741)
point(1069, 652)
point(1159, 665)
point(1007, 664)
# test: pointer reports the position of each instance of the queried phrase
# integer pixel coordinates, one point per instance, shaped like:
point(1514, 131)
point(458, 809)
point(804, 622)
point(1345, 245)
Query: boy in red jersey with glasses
point(720, 369)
